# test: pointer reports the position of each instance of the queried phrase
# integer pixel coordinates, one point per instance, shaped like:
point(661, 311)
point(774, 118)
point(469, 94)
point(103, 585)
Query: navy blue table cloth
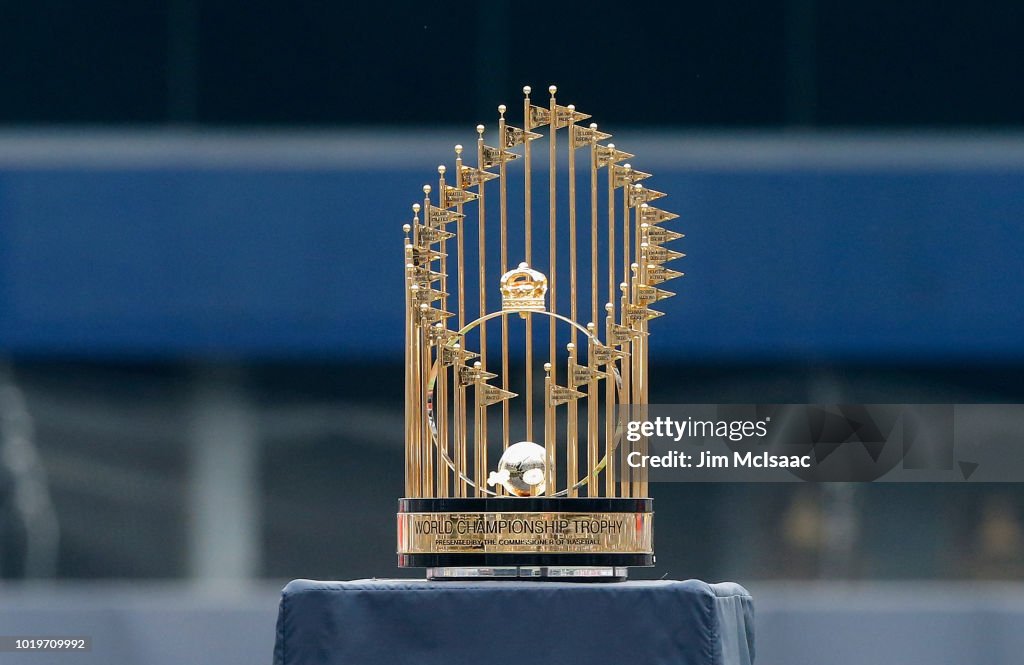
point(389, 622)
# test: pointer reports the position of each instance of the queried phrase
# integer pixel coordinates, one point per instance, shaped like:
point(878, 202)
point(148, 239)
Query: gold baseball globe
point(521, 469)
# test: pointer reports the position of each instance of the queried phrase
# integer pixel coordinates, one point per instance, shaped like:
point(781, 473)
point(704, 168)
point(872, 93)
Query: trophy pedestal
point(540, 538)
point(382, 622)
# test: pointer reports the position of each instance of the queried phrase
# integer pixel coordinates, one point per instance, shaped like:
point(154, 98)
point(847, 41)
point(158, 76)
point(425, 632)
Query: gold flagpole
point(459, 414)
point(572, 417)
point(571, 424)
point(503, 203)
point(626, 396)
point(552, 233)
point(609, 406)
point(460, 248)
point(460, 397)
point(641, 278)
point(549, 433)
point(409, 331)
point(626, 260)
point(527, 215)
point(610, 398)
point(592, 452)
point(638, 369)
point(441, 414)
point(479, 443)
point(428, 464)
point(592, 389)
point(482, 287)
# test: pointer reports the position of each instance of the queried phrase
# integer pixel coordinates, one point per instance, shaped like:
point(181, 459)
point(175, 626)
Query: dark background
point(763, 64)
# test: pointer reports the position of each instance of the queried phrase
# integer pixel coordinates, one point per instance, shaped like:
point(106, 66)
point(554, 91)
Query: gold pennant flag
point(641, 194)
point(494, 156)
point(652, 215)
point(425, 295)
point(493, 394)
point(515, 136)
point(564, 114)
point(425, 276)
point(455, 356)
point(430, 235)
point(623, 176)
point(623, 334)
point(608, 155)
point(656, 235)
point(657, 274)
point(604, 355)
point(562, 395)
point(582, 136)
point(433, 315)
point(581, 375)
point(471, 176)
point(539, 116)
point(439, 335)
point(423, 256)
point(645, 295)
point(439, 216)
point(659, 255)
point(638, 313)
point(451, 196)
point(469, 375)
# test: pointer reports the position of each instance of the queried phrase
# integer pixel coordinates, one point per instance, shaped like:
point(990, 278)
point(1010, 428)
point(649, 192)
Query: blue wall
point(811, 261)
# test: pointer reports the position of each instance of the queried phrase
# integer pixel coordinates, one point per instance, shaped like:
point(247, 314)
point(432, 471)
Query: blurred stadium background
point(200, 210)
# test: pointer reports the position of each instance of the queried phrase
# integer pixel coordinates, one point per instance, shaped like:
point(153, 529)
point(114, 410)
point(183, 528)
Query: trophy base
point(581, 539)
point(553, 573)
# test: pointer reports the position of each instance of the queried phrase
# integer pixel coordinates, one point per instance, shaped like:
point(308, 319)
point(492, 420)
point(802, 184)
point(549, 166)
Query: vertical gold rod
point(610, 397)
point(482, 288)
point(478, 438)
point(419, 393)
point(609, 409)
point(503, 205)
point(612, 298)
point(428, 464)
point(571, 436)
point(625, 227)
point(441, 385)
point(549, 434)
point(641, 277)
point(553, 266)
point(527, 256)
point(409, 400)
point(462, 445)
point(636, 373)
point(459, 423)
point(592, 451)
point(460, 395)
point(459, 248)
point(626, 490)
point(552, 231)
point(638, 369)
point(592, 390)
point(441, 413)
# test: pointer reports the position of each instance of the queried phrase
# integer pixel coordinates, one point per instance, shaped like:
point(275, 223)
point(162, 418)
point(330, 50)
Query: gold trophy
point(529, 484)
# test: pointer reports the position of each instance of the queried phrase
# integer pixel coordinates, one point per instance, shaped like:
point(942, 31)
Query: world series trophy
point(484, 496)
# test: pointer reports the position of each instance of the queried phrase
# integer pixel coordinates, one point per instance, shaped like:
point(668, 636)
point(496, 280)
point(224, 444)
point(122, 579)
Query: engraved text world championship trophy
point(515, 367)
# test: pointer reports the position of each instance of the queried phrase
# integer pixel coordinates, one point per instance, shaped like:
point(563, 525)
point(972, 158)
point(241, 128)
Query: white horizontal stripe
point(415, 149)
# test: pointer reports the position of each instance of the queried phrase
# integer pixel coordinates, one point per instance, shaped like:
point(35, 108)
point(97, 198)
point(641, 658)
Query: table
point(389, 622)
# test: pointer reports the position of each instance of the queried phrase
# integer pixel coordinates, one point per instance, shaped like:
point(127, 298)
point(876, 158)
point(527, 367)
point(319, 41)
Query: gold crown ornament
point(523, 289)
